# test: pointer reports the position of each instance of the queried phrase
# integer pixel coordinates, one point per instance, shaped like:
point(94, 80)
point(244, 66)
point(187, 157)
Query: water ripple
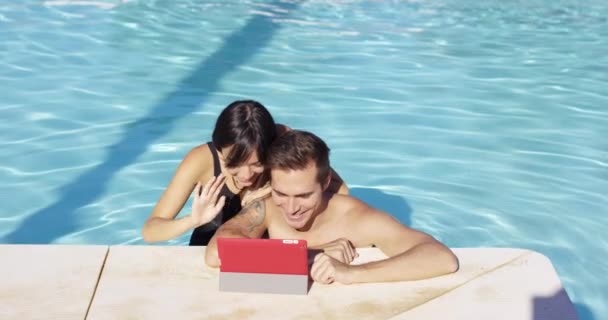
point(486, 119)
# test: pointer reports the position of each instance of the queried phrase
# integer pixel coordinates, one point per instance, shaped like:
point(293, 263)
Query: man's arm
point(412, 255)
point(249, 223)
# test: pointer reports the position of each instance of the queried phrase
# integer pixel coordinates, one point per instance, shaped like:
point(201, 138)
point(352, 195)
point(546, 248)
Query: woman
point(232, 165)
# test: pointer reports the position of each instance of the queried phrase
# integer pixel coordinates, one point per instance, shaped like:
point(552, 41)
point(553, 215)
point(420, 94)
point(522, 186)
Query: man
point(299, 208)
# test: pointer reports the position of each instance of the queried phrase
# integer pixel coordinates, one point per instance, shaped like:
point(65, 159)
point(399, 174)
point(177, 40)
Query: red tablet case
point(263, 265)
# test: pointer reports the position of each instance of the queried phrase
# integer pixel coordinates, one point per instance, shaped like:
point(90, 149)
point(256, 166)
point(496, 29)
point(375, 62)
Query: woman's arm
point(162, 225)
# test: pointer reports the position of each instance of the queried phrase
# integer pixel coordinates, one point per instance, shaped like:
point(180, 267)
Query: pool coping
point(147, 282)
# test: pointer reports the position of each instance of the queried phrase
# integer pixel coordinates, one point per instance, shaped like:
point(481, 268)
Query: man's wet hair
point(295, 149)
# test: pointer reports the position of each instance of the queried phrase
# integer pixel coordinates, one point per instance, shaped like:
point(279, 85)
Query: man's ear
point(326, 182)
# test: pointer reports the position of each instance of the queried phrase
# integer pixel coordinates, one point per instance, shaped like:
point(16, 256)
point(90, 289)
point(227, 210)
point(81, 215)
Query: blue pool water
point(483, 123)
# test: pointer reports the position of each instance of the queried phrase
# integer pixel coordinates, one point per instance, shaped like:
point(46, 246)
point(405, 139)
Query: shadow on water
point(59, 219)
point(559, 307)
point(583, 312)
point(394, 205)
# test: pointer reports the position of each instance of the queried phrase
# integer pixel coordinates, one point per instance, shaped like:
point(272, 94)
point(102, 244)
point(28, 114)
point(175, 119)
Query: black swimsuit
point(201, 235)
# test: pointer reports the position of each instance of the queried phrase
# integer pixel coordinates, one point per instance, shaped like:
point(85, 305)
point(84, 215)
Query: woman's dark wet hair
point(248, 127)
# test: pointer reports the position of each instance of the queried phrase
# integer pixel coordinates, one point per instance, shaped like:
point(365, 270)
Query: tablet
point(263, 265)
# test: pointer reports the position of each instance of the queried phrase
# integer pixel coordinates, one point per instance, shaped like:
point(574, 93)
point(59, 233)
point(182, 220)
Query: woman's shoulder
point(198, 160)
point(200, 152)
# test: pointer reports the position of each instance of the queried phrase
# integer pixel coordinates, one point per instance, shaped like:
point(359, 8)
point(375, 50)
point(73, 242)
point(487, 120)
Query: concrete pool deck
point(172, 282)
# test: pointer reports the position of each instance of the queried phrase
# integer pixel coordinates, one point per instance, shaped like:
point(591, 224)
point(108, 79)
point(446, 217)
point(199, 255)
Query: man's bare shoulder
point(347, 204)
point(368, 225)
point(357, 213)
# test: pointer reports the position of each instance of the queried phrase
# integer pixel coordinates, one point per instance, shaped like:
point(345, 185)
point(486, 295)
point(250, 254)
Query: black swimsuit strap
point(216, 159)
point(217, 170)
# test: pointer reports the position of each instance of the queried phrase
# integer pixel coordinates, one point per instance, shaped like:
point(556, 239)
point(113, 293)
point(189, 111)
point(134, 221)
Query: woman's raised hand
point(206, 205)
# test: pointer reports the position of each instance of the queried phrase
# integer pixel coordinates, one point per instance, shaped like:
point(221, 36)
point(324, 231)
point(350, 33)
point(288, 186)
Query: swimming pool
point(483, 124)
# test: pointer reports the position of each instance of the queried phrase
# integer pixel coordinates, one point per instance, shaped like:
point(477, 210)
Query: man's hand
point(326, 270)
point(206, 206)
point(340, 249)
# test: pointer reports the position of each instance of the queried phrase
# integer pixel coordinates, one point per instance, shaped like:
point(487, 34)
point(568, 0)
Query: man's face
point(297, 193)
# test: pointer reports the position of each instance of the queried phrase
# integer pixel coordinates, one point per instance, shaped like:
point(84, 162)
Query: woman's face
point(245, 173)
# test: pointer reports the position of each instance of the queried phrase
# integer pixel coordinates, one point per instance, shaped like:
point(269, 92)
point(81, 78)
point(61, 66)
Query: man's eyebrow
point(279, 192)
point(297, 195)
